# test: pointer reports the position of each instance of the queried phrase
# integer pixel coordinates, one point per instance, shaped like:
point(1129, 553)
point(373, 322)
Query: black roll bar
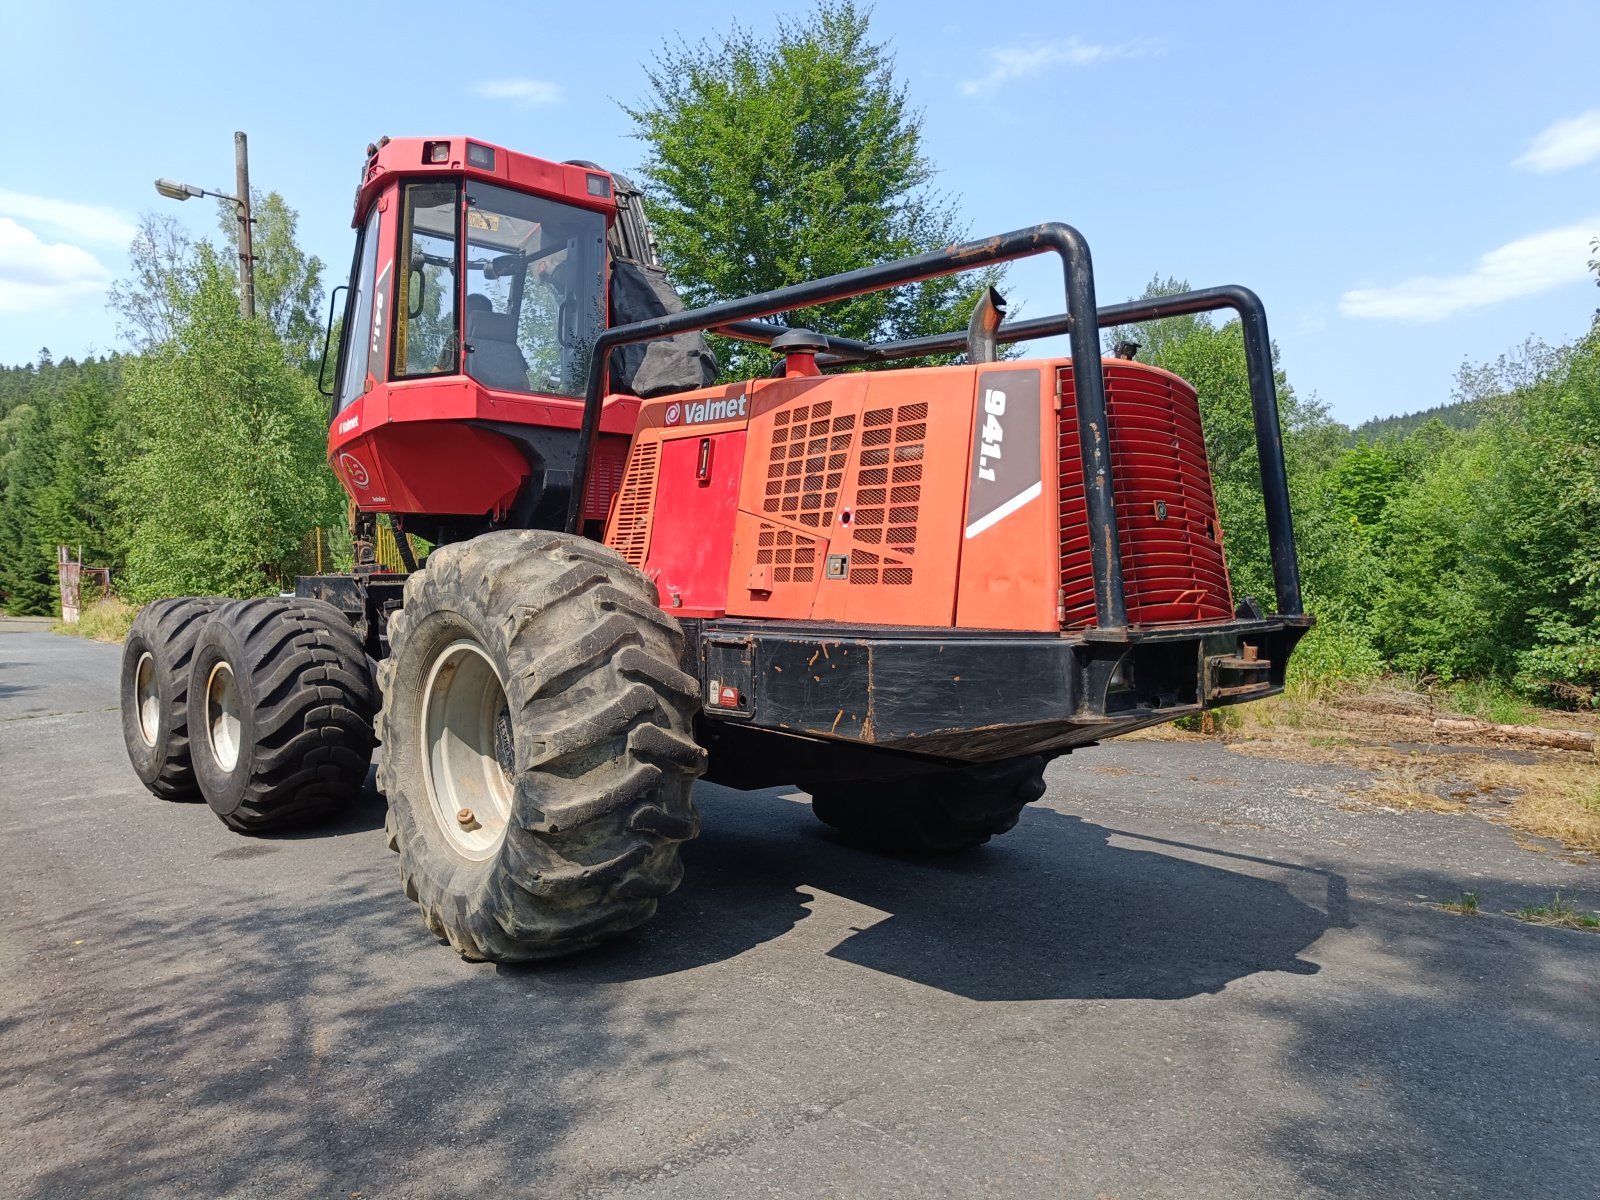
point(738, 318)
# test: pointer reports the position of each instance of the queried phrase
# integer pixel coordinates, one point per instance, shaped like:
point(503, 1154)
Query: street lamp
point(173, 190)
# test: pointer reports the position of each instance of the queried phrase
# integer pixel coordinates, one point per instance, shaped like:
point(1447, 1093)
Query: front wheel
point(537, 749)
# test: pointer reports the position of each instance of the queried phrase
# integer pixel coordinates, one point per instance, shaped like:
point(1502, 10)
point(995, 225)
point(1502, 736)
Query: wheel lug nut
point(465, 817)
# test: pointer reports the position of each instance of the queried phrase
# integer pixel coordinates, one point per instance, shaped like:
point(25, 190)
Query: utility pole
point(247, 271)
point(173, 190)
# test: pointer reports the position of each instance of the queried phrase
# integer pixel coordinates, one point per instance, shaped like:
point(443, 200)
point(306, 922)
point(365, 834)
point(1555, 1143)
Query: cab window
point(358, 326)
point(535, 290)
point(425, 339)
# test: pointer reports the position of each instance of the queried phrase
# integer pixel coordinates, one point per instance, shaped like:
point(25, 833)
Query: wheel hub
point(222, 716)
point(467, 749)
point(147, 700)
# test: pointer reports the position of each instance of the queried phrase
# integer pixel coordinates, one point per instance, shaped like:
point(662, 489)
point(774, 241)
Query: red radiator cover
point(1172, 561)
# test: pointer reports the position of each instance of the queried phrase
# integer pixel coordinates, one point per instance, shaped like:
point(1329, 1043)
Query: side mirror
point(327, 338)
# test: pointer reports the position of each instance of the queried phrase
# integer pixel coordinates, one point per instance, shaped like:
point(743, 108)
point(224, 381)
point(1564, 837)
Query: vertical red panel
point(692, 540)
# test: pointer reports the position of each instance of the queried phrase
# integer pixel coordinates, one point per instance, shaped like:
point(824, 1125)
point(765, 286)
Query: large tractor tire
point(282, 702)
point(537, 747)
point(941, 813)
point(155, 693)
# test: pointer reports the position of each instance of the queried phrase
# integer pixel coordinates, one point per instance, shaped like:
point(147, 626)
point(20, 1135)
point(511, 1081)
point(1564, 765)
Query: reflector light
point(435, 152)
point(599, 185)
point(481, 157)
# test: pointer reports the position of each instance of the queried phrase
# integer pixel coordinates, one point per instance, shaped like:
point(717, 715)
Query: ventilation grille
point(810, 448)
point(605, 478)
point(792, 556)
point(888, 493)
point(631, 535)
point(873, 569)
point(1171, 545)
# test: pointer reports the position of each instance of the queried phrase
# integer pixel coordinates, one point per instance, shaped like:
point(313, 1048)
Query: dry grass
point(105, 620)
point(1388, 731)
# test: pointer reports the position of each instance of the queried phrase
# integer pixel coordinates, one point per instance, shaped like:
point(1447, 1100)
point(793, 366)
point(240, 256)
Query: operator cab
point(477, 289)
point(533, 270)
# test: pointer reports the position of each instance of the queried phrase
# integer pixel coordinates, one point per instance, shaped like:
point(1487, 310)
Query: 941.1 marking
point(993, 432)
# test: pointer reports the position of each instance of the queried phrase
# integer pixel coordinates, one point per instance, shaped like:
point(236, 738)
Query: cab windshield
point(534, 296)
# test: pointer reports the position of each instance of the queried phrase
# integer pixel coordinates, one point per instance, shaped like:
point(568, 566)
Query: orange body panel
point(1009, 573)
point(900, 514)
point(793, 478)
point(946, 496)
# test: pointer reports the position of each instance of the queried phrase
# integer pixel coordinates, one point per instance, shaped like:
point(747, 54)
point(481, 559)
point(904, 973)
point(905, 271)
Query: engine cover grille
point(1173, 567)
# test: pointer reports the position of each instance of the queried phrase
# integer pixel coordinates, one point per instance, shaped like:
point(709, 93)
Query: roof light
point(599, 185)
point(481, 157)
point(435, 152)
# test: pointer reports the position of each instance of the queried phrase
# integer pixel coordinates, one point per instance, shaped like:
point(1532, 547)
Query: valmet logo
point(707, 410)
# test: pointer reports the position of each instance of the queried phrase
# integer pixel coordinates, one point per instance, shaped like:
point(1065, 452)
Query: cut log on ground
point(1526, 735)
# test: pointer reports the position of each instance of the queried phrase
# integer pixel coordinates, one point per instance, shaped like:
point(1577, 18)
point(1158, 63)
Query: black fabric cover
point(675, 364)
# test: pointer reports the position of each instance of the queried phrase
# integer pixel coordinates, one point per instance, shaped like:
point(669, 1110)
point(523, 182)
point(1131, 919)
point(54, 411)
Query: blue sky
point(1406, 186)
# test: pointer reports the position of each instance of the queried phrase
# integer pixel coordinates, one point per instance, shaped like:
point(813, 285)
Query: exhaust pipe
point(985, 324)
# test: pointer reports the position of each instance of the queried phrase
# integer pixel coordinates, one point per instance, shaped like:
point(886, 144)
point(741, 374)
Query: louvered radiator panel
point(1173, 567)
point(629, 534)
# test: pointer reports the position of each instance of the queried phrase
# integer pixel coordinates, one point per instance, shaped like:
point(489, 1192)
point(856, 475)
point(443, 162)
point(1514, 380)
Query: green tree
point(74, 506)
point(774, 161)
point(147, 301)
point(288, 281)
point(227, 476)
point(27, 565)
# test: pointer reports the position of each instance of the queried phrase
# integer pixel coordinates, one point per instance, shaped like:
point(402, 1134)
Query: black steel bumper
point(977, 697)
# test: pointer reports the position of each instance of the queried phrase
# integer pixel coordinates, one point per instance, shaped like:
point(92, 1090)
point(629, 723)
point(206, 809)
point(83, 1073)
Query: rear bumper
point(981, 696)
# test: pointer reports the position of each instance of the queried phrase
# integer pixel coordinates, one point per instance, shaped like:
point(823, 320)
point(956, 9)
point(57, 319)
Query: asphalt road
point(1186, 973)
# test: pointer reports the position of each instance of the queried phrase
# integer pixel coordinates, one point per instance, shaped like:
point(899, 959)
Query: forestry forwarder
point(905, 590)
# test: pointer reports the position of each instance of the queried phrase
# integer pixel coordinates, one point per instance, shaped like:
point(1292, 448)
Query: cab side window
point(426, 340)
point(358, 333)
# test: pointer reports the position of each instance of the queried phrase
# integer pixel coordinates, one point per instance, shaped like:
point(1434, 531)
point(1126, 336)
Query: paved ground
point(1187, 973)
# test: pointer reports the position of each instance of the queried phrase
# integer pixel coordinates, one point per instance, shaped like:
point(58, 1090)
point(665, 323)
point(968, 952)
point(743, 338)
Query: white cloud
point(1566, 144)
point(523, 93)
point(86, 222)
point(36, 274)
point(1018, 62)
point(1532, 264)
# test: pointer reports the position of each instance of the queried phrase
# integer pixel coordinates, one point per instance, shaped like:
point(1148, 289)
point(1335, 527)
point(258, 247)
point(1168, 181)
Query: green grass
point(1560, 913)
point(1488, 700)
point(105, 620)
point(1465, 904)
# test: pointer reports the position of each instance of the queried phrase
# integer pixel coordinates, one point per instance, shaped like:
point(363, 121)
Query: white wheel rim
point(147, 700)
point(222, 716)
point(463, 701)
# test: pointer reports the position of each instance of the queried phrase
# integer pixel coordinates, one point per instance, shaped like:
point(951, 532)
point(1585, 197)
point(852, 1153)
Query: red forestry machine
point(905, 590)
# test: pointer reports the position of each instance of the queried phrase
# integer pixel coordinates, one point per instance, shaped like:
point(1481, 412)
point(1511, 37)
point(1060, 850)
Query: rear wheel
point(155, 693)
point(281, 701)
point(537, 753)
point(940, 813)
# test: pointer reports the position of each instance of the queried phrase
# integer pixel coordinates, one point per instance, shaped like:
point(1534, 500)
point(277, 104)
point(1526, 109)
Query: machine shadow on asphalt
point(1053, 911)
point(13, 689)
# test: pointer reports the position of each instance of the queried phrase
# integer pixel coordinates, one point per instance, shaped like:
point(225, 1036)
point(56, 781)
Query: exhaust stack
point(985, 324)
